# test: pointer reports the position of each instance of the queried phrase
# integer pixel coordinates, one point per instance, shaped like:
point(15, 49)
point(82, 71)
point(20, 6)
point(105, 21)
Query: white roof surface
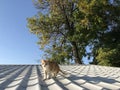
point(79, 77)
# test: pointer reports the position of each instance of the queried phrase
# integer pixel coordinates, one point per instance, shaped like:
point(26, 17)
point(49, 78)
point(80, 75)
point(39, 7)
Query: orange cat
point(50, 68)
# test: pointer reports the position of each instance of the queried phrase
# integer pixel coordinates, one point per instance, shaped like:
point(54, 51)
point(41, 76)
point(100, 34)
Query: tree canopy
point(66, 27)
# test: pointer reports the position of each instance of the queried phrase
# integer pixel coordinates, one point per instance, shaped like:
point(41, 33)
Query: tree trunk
point(76, 53)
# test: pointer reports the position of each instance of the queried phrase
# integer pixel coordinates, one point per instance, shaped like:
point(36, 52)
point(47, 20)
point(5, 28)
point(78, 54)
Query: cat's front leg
point(45, 75)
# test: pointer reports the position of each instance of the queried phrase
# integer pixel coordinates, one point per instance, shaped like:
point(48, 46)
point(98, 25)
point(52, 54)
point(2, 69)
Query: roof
point(79, 77)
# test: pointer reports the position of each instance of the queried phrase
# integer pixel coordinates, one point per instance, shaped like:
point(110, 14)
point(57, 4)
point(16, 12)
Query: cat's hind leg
point(49, 75)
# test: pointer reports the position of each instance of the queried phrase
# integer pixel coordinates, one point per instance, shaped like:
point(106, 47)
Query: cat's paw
point(44, 79)
point(54, 77)
point(49, 77)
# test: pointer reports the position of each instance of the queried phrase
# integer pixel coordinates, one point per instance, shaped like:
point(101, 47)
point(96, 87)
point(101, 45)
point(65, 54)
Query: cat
point(50, 68)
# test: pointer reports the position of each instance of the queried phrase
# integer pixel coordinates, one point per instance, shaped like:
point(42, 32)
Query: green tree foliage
point(108, 57)
point(103, 17)
point(66, 27)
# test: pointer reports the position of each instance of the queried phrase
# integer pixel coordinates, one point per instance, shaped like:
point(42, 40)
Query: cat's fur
point(50, 68)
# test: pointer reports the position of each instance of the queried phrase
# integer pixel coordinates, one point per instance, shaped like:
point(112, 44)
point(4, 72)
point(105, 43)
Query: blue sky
point(17, 44)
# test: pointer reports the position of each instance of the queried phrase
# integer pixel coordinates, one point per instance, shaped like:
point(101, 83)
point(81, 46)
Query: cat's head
point(44, 62)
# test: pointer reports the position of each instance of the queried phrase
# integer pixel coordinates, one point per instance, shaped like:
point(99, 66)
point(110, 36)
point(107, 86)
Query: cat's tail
point(62, 72)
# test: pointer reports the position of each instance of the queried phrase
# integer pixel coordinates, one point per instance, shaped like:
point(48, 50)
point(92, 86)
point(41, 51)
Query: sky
point(17, 44)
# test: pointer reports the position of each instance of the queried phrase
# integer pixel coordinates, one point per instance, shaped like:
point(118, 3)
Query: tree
point(67, 27)
point(103, 17)
point(57, 27)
